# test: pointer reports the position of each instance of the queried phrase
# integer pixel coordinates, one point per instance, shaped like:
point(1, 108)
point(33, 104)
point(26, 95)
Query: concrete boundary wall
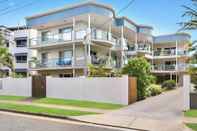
point(117, 90)
point(110, 90)
point(186, 92)
point(16, 86)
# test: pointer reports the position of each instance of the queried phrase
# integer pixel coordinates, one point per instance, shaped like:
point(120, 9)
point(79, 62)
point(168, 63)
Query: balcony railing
point(71, 36)
point(170, 53)
point(69, 62)
point(171, 67)
point(102, 61)
point(139, 48)
point(51, 63)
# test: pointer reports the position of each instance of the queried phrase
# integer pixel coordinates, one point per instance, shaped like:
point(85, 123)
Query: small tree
point(5, 57)
point(140, 68)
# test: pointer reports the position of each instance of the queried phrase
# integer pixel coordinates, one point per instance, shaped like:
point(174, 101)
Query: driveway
point(159, 113)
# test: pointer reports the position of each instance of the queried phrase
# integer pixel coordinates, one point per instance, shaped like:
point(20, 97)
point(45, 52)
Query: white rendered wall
point(186, 92)
point(16, 87)
point(110, 90)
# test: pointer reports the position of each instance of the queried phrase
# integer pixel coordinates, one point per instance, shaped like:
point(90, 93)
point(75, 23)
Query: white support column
point(110, 57)
point(170, 76)
point(87, 42)
point(74, 56)
point(122, 49)
point(109, 34)
point(74, 73)
point(176, 62)
point(136, 39)
point(176, 55)
point(152, 53)
point(89, 35)
point(73, 31)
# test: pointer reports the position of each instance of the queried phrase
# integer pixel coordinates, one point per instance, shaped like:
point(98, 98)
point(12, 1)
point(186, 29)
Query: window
point(46, 36)
point(7, 44)
point(21, 59)
point(145, 31)
point(65, 58)
point(131, 47)
point(80, 35)
point(66, 34)
point(44, 57)
point(21, 43)
point(65, 75)
point(65, 54)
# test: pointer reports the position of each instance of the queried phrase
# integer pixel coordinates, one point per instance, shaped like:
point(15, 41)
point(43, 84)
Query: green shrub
point(193, 72)
point(116, 73)
point(140, 68)
point(98, 71)
point(153, 90)
point(15, 75)
point(169, 84)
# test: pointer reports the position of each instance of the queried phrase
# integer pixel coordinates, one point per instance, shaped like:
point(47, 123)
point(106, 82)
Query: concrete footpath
point(159, 113)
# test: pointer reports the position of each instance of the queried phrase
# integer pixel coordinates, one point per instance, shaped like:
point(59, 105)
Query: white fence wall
point(111, 90)
point(16, 87)
point(186, 92)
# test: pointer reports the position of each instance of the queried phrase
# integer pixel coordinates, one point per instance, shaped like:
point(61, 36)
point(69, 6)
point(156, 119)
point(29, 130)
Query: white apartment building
point(68, 39)
point(16, 42)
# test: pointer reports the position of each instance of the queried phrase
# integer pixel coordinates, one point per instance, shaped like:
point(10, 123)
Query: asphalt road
point(17, 122)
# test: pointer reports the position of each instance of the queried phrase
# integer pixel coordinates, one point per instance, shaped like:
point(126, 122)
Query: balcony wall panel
point(67, 13)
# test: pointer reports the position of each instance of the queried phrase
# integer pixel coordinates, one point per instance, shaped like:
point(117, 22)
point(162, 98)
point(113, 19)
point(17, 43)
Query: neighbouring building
point(66, 40)
point(16, 42)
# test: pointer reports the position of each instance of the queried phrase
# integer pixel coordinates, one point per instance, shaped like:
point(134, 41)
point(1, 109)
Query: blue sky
point(163, 15)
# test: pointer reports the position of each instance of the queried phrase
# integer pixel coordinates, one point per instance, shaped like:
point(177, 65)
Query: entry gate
point(39, 86)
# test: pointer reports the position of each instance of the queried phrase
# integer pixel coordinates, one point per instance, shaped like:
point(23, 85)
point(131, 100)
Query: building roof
point(71, 7)
point(90, 2)
point(172, 37)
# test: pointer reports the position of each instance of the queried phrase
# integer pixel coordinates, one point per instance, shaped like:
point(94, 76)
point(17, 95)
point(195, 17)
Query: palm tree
point(5, 57)
point(191, 14)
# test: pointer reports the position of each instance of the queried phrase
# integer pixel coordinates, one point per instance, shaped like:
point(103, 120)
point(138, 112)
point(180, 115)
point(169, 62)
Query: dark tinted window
point(21, 59)
point(21, 43)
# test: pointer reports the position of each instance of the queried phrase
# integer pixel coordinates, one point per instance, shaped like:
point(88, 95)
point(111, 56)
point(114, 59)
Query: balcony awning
point(20, 54)
point(20, 70)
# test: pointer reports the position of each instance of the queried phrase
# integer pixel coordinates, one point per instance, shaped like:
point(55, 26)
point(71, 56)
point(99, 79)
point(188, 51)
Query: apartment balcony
point(97, 36)
point(51, 64)
point(169, 54)
point(108, 63)
point(172, 68)
point(68, 63)
point(140, 49)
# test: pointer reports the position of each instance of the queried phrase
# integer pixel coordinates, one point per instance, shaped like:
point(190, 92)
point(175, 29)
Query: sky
point(162, 15)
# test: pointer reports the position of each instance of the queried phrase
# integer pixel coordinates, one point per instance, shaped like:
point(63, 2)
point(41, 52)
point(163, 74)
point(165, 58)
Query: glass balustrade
point(169, 53)
point(68, 36)
point(67, 62)
point(56, 62)
point(171, 67)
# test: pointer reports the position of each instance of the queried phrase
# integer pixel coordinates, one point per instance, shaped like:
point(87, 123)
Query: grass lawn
point(12, 98)
point(77, 103)
point(43, 110)
point(192, 126)
point(191, 113)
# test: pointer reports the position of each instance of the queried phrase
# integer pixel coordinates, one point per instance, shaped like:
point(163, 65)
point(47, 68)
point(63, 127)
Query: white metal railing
point(171, 67)
point(69, 36)
point(69, 62)
point(170, 53)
